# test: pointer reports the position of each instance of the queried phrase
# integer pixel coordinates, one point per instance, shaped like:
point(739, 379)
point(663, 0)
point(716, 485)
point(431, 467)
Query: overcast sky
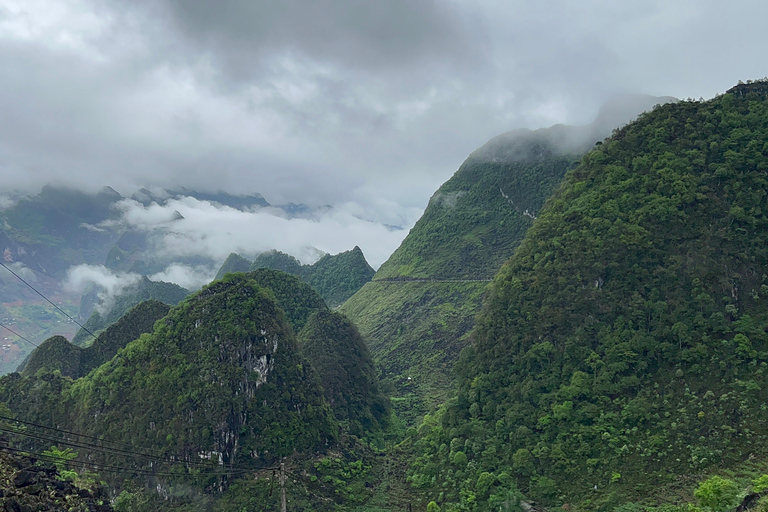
point(332, 101)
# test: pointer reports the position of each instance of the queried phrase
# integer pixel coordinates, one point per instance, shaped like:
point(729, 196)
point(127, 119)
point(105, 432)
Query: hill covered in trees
point(58, 354)
point(625, 342)
point(420, 306)
point(345, 370)
point(218, 390)
point(167, 293)
point(335, 277)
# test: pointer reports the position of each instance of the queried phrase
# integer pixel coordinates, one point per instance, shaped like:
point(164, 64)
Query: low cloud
point(191, 278)
point(6, 202)
point(110, 285)
point(188, 228)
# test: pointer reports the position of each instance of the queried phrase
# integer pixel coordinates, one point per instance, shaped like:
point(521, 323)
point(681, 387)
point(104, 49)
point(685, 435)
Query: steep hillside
point(625, 342)
point(336, 277)
point(220, 375)
point(167, 293)
point(233, 263)
point(421, 304)
point(296, 298)
point(345, 369)
point(57, 353)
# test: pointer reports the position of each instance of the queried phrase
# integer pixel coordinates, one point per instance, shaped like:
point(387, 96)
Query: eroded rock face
point(220, 378)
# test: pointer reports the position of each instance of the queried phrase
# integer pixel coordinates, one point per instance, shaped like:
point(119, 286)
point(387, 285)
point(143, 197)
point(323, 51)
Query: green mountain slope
point(625, 342)
point(295, 297)
point(57, 353)
point(418, 310)
point(233, 263)
point(345, 369)
point(167, 293)
point(336, 277)
point(220, 375)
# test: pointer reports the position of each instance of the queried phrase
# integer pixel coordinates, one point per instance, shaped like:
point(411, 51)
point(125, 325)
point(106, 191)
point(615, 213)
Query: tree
point(718, 494)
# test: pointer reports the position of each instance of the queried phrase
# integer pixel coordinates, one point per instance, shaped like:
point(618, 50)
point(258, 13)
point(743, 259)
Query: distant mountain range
point(335, 277)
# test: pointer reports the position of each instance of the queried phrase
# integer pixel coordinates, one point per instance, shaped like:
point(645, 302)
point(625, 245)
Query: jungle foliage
point(58, 354)
point(345, 370)
point(335, 277)
point(625, 342)
point(167, 293)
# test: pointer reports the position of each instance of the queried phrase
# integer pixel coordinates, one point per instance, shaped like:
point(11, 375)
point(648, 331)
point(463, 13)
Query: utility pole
point(283, 500)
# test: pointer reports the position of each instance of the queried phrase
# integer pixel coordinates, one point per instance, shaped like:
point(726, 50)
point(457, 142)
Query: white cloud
point(6, 202)
point(215, 231)
point(110, 285)
point(185, 276)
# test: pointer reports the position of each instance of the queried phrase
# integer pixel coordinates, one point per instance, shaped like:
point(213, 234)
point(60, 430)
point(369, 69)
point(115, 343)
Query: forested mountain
point(625, 342)
point(335, 277)
point(167, 293)
point(345, 369)
point(417, 311)
point(221, 375)
point(233, 263)
point(58, 354)
point(218, 390)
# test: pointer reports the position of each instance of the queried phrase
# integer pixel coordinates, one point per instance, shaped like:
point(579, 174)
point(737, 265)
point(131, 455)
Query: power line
point(105, 447)
point(19, 335)
point(6, 267)
point(106, 467)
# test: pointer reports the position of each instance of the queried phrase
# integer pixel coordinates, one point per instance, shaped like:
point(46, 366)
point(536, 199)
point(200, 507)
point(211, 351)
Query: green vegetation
point(233, 263)
point(220, 374)
point(296, 298)
point(335, 277)
point(345, 370)
point(625, 342)
point(416, 327)
point(415, 331)
point(167, 293)
point(58, 354)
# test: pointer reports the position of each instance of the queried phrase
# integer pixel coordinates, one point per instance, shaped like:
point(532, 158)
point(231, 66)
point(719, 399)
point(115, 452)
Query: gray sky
point(350, 102)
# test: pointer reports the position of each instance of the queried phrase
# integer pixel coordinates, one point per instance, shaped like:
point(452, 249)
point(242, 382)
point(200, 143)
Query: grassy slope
point(471, 226)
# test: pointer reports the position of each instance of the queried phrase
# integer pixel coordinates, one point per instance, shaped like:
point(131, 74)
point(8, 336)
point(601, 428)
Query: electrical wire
point(6, 267)
point(105, 448)
point(107, 467)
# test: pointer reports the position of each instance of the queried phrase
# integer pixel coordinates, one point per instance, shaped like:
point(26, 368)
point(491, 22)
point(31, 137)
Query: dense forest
point(625, 342)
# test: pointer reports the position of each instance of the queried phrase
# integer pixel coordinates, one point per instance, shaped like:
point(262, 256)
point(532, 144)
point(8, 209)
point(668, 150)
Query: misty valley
point(577, 321)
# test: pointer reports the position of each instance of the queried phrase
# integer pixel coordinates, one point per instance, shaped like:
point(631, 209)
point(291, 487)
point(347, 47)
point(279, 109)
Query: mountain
point(624, 344)
point(238, 202)
point(56, 229)
point(221, 375)
point(296, 298)
point(194, 414)
point(167, 293)
point(346, 372)
point(420, 306)
point(58, 354)
point(233, 263)
point(336, 277)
